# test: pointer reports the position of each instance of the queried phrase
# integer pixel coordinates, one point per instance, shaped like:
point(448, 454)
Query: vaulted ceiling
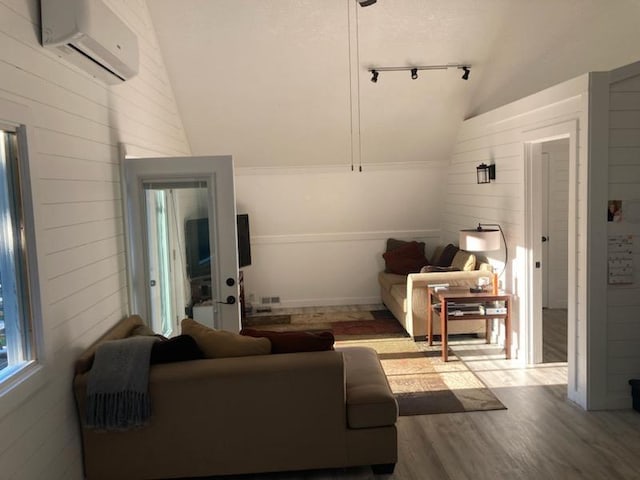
point(286, 82)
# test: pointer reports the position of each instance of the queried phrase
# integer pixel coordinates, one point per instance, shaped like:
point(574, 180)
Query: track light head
point(465, 75)
point(414, 73)
point(374, 76)
point(366, 3)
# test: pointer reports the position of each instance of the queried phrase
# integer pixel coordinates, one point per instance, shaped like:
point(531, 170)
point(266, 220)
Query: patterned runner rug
point(422, 382)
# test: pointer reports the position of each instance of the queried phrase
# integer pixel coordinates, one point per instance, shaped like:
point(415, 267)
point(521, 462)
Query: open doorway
point(554, 163)
point(181, 231)
point(534, 284)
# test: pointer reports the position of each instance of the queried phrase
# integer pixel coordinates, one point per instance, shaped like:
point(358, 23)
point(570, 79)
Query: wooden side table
point(446, 296)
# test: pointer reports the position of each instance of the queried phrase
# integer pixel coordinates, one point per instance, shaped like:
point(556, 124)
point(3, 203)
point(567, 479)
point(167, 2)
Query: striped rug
point(422, 383)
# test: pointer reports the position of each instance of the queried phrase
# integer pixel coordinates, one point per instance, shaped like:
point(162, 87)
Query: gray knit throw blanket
point(118, 384)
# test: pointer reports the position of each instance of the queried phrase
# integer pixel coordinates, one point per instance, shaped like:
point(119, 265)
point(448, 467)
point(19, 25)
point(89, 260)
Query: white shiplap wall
point(623, 304)
point(498, 137)
point(318, 234)
point(78, 123)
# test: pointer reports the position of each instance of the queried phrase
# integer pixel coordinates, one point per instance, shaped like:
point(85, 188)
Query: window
point(17, 339)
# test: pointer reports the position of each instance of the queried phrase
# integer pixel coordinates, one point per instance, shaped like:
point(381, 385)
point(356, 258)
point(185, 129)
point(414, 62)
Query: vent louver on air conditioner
point(88, 34)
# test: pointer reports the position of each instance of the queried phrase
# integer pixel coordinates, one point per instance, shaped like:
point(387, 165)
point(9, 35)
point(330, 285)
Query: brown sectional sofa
point(277, 412)
point(406, 295)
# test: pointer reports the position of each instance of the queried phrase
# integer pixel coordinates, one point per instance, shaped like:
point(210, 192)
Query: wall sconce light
point(374, 76)
point(486, 173)
point(465, 75)
point(414, 73)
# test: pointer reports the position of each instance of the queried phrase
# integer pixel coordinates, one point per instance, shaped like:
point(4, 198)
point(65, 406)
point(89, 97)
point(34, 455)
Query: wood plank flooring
point(541, 435)
point(554, 334)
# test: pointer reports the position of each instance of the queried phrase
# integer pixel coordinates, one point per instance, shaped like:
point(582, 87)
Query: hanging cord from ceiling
point(354, 86)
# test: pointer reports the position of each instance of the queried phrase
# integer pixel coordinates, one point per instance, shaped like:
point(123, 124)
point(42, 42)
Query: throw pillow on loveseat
point(405, 295)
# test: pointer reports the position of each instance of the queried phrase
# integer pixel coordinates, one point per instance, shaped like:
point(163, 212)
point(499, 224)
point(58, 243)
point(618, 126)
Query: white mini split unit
point(88, 34)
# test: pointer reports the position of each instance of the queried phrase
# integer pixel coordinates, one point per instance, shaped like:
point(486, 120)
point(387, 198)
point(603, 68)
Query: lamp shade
point(479, 240)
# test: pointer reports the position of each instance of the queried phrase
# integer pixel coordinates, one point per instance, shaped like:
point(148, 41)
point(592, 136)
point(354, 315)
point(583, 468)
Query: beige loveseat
point(406, 295)
point(248, 414)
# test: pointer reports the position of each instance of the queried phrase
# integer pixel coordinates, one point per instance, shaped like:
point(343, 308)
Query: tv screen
point(244, 240)
point(196, 237)
point(197, 245)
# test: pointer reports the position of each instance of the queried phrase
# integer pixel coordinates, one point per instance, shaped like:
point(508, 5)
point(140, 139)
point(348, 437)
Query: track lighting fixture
point(414, 70)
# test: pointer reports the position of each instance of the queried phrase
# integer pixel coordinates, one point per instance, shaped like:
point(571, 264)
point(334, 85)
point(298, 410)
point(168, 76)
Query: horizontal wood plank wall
point(497, 137)
point(623, 305)
point(318, 234)
point(79, 123)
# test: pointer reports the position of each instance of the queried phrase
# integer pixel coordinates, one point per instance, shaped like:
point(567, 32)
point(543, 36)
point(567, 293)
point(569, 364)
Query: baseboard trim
point(328, 302)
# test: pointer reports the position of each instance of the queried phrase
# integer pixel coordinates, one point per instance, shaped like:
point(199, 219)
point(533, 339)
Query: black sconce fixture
point(465, 75)
point(374, 76)
point(414, 73)
point(486, 173)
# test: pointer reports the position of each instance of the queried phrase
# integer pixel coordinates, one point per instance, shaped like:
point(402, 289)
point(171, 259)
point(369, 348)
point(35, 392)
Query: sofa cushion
point(446, 257)
point(435, 268)
point(177, 349)
point(406, 259)
point(464, 261)
point(220, 343)
point(399, 294)
point(143, 330)
point(370, 402)
point(388, 280)
point(292, 342)
point(120, 330)
point(394, 243)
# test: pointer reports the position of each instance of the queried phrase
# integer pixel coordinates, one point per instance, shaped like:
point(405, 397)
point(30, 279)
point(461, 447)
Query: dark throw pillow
point(446, 257)
point(177, 349)
point(393, 243)
point(406, 259)
point(292, 342)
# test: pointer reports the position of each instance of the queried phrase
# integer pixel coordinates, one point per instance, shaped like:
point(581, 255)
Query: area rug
point(364, 324)
point(422, 383)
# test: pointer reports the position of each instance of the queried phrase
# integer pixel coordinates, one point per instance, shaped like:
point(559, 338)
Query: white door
point(181, 228)
point(544, 232)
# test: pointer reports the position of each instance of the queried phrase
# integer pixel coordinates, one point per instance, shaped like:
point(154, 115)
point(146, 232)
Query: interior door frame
point(221, 185)
point(532, 141)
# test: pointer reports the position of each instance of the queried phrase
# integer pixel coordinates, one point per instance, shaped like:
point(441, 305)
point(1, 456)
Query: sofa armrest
point(457, 278)
point(257, 404)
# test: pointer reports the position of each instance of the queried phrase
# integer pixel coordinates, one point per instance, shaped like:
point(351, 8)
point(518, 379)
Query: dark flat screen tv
point(198, 253)
point(244, 240)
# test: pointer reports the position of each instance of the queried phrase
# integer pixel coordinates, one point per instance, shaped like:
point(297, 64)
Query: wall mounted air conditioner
point(88, 34)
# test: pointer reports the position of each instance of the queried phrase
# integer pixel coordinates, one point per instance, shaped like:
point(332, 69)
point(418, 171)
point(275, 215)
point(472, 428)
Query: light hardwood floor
point(554, 334)
point(541, 435)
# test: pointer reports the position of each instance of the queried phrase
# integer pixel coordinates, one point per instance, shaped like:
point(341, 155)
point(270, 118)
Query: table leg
point(507, 330)
point(487, 330)
point(443, 329)
point(429, 318)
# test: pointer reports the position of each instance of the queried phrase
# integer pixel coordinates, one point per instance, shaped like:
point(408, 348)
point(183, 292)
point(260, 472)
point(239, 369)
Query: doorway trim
point(217, 172)
point(532, 140)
